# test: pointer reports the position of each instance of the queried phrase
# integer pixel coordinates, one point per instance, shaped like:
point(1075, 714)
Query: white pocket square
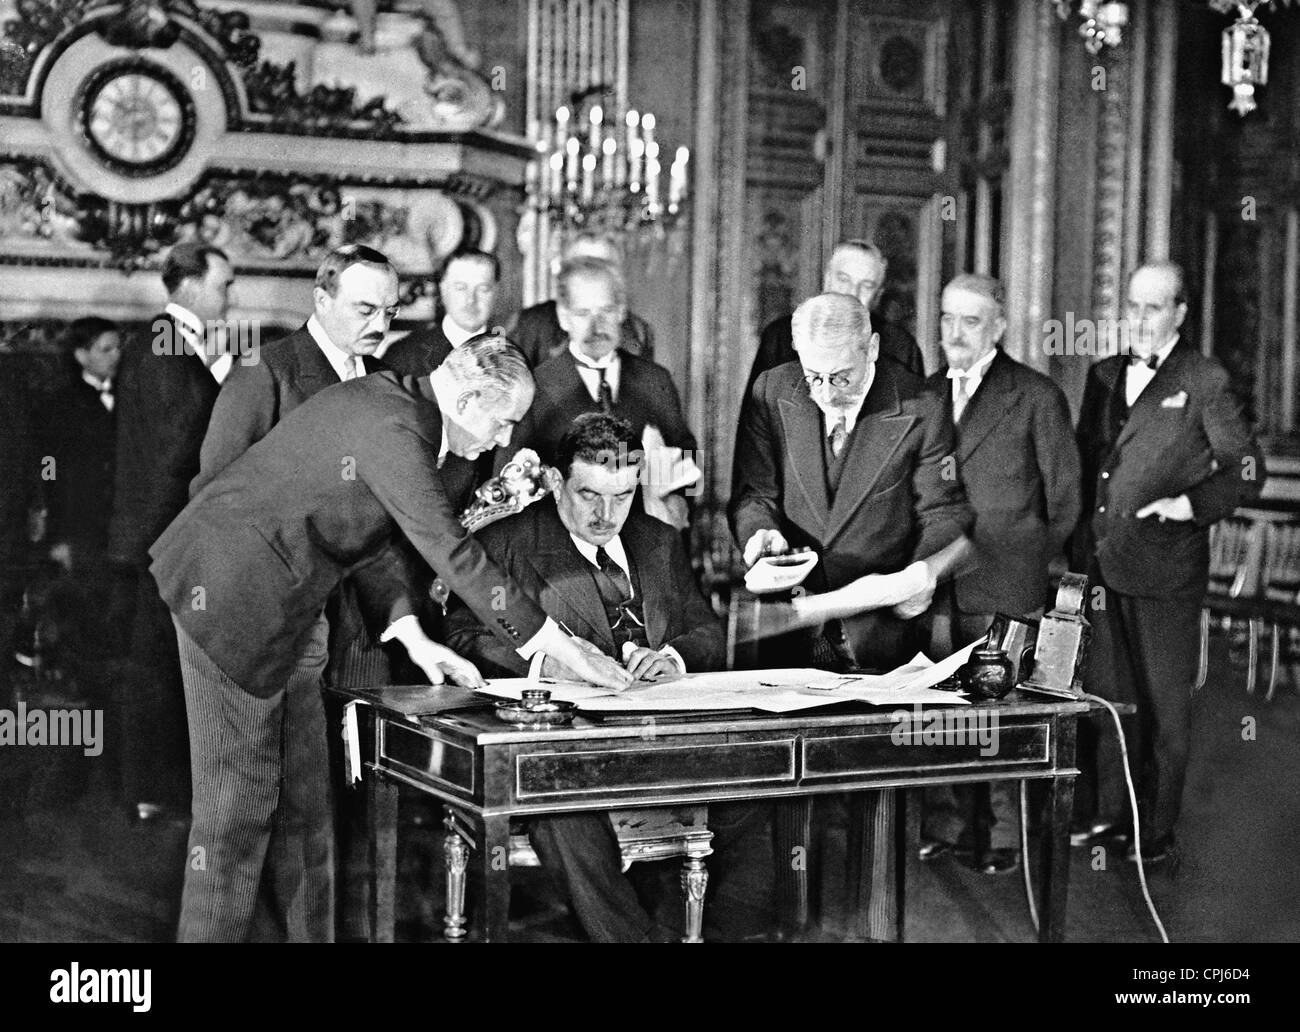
point(1178, 400)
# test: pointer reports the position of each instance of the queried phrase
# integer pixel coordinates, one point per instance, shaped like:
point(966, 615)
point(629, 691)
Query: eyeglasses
point(815, 380)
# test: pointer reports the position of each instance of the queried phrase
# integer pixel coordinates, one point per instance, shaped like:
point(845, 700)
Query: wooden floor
point(73, 870)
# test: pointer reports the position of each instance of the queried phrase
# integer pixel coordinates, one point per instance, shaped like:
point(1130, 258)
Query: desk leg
point(381, 814)
point(1054, 871)
point(455, 851)
point(494, 878)
point(793, 851)
point(695, 880)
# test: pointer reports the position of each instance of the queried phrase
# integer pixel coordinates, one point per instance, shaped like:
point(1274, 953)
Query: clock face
point(137, 118)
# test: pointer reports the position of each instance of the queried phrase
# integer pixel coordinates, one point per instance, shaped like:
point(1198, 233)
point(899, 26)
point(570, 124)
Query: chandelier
point(600, 168)
point(1103, 23)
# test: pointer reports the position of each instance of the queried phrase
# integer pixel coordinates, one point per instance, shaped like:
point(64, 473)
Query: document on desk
point(773, 691)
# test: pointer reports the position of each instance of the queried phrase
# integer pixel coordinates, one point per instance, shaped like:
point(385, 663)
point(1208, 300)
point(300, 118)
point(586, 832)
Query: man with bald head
point(1167, 452)
point(857, 268)
point(1019, 464)
point(852, 458)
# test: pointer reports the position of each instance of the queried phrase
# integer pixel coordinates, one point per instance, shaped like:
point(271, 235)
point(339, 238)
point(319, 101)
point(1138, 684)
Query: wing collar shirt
point(588, 371)
point(973, 376)
point(193, 330)
point(334, 355)
point(1140, 374)
point(454, 334)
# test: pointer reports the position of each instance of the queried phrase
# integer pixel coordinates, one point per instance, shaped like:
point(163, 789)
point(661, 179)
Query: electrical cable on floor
point(1137, 836)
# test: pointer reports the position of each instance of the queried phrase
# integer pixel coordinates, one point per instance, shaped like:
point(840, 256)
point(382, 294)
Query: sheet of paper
point(772, 691)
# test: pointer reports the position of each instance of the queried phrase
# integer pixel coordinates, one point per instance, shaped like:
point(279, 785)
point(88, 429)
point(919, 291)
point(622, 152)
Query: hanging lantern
point(1245, 60)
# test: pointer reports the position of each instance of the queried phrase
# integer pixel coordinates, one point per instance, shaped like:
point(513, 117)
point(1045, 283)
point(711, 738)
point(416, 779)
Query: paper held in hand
point(773, 691)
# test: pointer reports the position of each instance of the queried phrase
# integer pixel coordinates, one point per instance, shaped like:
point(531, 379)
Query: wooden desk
point(487, 772)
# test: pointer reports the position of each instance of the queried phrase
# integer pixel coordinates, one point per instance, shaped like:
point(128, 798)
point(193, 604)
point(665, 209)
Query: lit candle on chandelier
point(571, 165)
point(652, 173)
point(593, 134)
point(677, 179)
point(557, 174)
point(588, 176)
point(609, 165)
point(631, 120)
point(561, 128)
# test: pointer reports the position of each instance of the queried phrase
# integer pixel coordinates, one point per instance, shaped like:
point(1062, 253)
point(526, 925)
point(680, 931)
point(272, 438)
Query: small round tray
point(536, 714)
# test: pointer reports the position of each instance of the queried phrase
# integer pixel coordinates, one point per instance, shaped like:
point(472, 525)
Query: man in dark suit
point(593, 373)
point(622, 581)
point(354, 300)
point(1167, 452)
point(858, 268)
point(79, 433)
point(164, 400)
point(246, 570)
point(467, 287)
point(538, 330)
point(1019, 464)
point(851, 457)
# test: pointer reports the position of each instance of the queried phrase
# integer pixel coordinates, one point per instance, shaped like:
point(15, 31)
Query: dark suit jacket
point(1020, 466)
point(1186, 434)
point(420, 352)
point(257, 396)
point(646, 394)
point(536, 550)
point(776, 347)
point(324, 495)
point(254, 399)
point(80, 435)
point(897, 502)
point(19, 466)
point(163, 405)
point(539, 336)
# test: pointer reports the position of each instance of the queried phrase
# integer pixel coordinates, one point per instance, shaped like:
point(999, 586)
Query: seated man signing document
point(621, 580)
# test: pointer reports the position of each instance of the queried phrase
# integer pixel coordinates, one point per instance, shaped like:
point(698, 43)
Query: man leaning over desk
point(620, 580)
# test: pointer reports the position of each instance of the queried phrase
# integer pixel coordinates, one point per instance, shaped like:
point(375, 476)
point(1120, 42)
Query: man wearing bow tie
point(1167, 452)
point(165, 396)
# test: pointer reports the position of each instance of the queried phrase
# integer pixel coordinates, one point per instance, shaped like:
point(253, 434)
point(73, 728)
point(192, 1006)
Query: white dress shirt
point(591, 378)
point(220, 365)
point(1140, 375)
point(973, 376)
point(614, 547)
point(334, 355)
point(454, 334)
point(104, 387)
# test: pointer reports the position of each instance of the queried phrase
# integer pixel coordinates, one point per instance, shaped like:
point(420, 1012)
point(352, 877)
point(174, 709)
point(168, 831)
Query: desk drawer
point(557, 775)
point(914, 747)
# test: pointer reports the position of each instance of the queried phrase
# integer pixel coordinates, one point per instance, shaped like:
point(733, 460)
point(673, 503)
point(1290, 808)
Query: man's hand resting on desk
point(440, 663)
point(648, 665)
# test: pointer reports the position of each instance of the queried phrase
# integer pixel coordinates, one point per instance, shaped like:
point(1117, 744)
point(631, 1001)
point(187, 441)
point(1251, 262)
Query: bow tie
point(1151, 363)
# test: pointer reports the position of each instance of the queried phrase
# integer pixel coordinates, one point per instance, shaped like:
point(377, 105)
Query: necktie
point(960, 399)
point(1151, 363)
point(106, 396)
point(839, 434)
point(350, 368)
point(605, 395)
point(616, 594)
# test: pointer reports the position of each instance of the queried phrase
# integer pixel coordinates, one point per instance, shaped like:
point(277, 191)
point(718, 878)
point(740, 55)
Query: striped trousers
point(262, 838)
